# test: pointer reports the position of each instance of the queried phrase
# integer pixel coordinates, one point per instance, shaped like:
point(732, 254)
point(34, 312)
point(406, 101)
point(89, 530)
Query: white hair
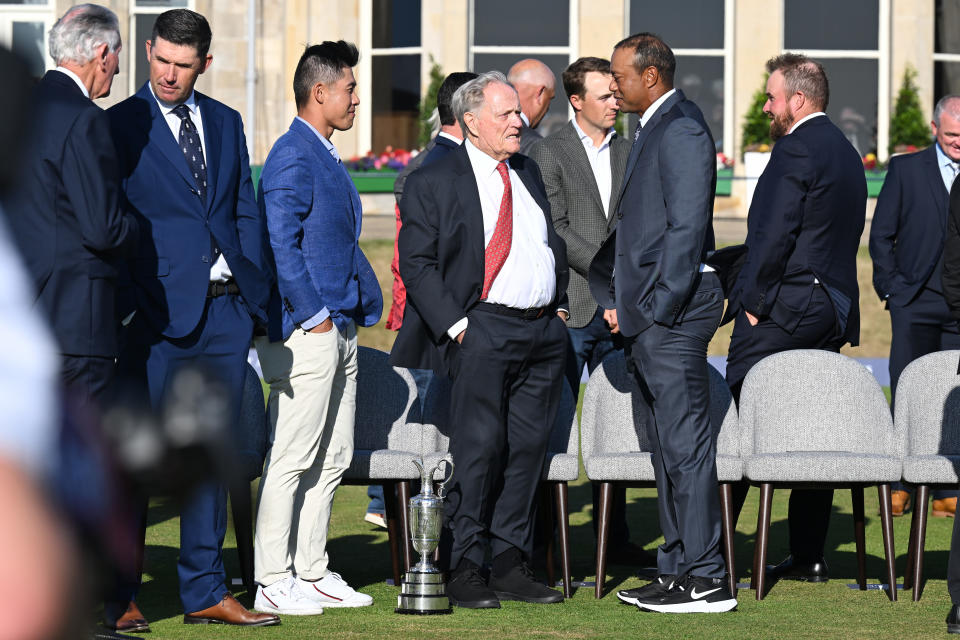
point(84, 27)
point(469, 97)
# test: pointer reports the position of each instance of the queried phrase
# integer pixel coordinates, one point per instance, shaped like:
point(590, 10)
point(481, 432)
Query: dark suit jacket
point(67, 221)
point(441, 255)
point(575, 205)
point(805, 222)
point(665, 220)
point(951, 254)
point(528, 138)
point(171, 272)
point(441, 147)
point(906, 235)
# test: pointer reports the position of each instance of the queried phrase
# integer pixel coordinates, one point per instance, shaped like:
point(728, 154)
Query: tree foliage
point(756, 124)
point(908, 127)
point(429, 103)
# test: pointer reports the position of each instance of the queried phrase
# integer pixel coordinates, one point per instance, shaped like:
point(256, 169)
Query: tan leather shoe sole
point(899, 502)
point(945, 508)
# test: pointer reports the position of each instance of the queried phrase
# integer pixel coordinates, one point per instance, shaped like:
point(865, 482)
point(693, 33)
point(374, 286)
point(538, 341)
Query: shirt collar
point(525, 119)
point(75, 78)
point(448, 136)
point(809, 116)
point(483, 164)
point(167, 109)
point(587, 139)
point(652, 109)
point(943, 159)
point(326, 143)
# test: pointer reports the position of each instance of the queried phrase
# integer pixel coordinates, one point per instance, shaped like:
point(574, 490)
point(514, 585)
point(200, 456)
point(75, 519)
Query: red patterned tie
point(499, 248)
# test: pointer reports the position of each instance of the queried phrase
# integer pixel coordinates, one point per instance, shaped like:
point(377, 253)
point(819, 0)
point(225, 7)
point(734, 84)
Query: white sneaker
point(376, 519)
point(332, 591)
point(285, 597)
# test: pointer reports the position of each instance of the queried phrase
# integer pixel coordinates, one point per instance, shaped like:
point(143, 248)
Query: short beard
point(780, 125)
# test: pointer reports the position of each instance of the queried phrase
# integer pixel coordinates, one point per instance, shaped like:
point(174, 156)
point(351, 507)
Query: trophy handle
point(441, 488)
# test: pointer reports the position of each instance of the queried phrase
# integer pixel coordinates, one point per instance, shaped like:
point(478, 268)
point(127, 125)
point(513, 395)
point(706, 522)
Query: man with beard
point(798, 286)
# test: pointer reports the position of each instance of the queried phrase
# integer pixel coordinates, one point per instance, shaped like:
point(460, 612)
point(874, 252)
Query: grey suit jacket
point(528, 138)
point(576, 208)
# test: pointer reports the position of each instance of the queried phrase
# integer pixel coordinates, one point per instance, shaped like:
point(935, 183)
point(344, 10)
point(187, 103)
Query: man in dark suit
point(798, 287)
point(651, 277)
point(906, 244)
point(198, 280)
point(536, 86)
point(66, 216)
point(486, 275)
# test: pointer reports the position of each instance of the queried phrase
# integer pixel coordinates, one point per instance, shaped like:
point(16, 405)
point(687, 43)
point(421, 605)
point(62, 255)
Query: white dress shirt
point(528, 278)
point(652, 109)
point(948, 168)
point(220, 271)
point(599, 158)
point(809, 116)
point(75, 78)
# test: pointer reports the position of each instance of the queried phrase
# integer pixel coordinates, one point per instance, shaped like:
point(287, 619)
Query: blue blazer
point(313, 216)
point(67, 221)
point(171, 271)
point(906, 236)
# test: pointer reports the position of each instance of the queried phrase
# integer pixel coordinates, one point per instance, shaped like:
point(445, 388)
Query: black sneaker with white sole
point(693, 594)
point(654, 589)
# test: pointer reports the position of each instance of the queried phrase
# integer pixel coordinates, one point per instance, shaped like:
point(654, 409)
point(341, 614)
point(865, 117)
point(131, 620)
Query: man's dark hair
point(649, 50)
point(574, 74)
point(802, 74)
point(445, 94)
point(322, 64)
point(185, 27)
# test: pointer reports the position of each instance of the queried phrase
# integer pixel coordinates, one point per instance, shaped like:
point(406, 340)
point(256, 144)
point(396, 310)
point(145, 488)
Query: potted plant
point(908, 127)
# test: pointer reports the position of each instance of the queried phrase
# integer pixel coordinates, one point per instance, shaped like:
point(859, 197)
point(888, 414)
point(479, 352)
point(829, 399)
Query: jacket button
point(355, 277)
point(479, 289)
point(619, 216)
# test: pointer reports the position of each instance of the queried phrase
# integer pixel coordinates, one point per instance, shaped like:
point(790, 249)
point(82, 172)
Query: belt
point(217, 289)
point(513, 312)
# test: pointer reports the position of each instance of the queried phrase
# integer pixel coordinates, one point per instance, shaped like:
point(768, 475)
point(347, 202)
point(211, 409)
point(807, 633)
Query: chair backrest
point(723, 415)
point(386, 405)
point(614, 416)
point(928, 404)
point(813, 400)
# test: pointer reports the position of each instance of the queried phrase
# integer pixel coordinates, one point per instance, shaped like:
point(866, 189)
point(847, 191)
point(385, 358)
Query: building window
point(946, 57)
point(24, 26)
point(396, 71)
point(857, 62)
point(143, 15)
point(496, 43)
point(701, 36)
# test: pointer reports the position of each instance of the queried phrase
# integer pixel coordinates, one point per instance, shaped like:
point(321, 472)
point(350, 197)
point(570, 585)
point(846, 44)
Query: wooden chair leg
point(392, 504)
point(563, 527)
point(726, 509)
point(603, 534)
point(856, 494)
point(241, 503)
point(911, 547)
point(759, 579)
point(403, 499)
point(546, 518)
point(920, 504)
point(886, 523)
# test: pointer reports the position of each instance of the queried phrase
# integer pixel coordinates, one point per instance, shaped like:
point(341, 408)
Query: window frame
point(45, 13)
point(136, 52)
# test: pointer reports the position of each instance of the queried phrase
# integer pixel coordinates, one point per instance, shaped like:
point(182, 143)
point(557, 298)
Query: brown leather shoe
point(229, 611)
point(900, 502)
point(132, 621)
point(944, 508)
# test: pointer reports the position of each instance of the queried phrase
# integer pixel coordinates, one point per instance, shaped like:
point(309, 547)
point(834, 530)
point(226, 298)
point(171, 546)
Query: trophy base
point(423, 594)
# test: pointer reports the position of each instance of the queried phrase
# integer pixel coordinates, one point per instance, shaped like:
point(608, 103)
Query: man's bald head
point(535, 84)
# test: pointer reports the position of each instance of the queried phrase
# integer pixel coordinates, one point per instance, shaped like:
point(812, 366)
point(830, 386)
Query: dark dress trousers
point(649, 269)
point(506, 374)
point(951, 292)
point(906, 245)
point(67, 221)
point(800, 277)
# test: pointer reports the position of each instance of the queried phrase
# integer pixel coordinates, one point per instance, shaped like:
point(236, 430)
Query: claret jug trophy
point(424, 591)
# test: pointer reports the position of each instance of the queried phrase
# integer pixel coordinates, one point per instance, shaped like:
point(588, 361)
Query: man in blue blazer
point(798, 287)
point(325, 289)
point(198, 279)
point(651, 278)
point(66, 215)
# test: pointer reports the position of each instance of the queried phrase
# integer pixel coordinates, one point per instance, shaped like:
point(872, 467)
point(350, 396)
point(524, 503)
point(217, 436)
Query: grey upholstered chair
point(816, 418)
point(928, 411)
point(616, 449)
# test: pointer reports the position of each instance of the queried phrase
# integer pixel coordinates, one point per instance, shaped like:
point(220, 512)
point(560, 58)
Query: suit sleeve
point(883, 234)
point(249, 222)
point(774, 223)
point(91, 178)
point(418, 244)
point(687, 165)
point(951, 254)
point(579, 251)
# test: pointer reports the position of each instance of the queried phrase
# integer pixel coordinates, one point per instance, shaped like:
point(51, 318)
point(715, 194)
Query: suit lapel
point(935, 180)
point(162, 138)
point(213, 139)
point(468, 195)
point(619, 150)
point(572, 147)
point(330, 164)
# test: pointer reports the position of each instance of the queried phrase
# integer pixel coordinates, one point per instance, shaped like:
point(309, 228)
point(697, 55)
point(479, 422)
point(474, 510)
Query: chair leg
point(241, 503)
point(563, 526)
point(886, 523)
point(726, 509)
point(759, 579)
point(403, 499)
point(546, 519)
point(603, 534)
point(392, 504)
point(912, 546)
point(921, 499)
point(856, 494)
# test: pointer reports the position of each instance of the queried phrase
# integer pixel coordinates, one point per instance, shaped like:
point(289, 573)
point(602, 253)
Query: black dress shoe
point(802, 571)
point(469, 590)
point(519, 584)
point(953, 619)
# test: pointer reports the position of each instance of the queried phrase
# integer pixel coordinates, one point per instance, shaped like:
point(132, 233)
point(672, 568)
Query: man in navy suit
point(66, 217)
point(798, 288)
point(486, 277)
point(198, 281)
point(325, 289)
point(650, 277)
point(906, 244)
